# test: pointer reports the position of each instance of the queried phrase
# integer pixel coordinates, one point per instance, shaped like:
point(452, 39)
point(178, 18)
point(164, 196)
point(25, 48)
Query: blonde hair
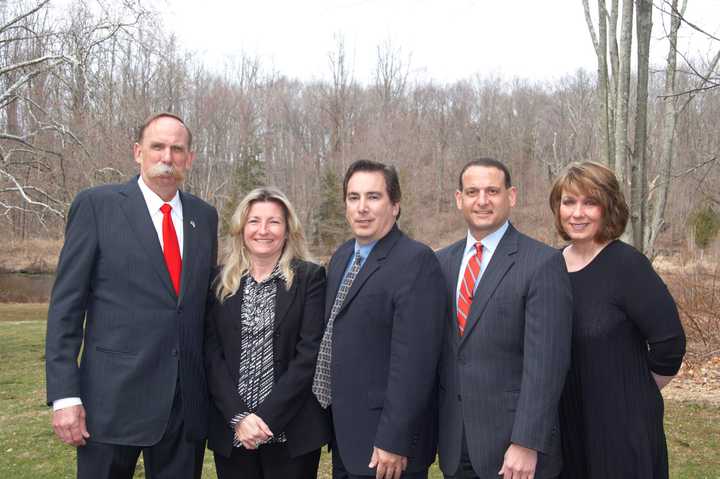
point(236, 260)
point(600, 183)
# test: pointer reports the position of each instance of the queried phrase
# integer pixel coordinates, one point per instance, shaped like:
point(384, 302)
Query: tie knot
point(478, 249)
point(165, 208)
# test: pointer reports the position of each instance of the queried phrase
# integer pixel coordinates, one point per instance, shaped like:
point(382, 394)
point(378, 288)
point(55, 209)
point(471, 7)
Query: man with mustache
point(507, 340)
point(130, 293)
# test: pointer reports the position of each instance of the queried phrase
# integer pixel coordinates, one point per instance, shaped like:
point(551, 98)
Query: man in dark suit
point(507, 342)
point(131, 289)
point(378, 359)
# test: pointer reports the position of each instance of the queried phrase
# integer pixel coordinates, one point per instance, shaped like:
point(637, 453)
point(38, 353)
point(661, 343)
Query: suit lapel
point(501, 262)
point(138, 217)
point(335, 274)
point(283, 299)
point(190, 229)
point(452, 271)
point(372, 264)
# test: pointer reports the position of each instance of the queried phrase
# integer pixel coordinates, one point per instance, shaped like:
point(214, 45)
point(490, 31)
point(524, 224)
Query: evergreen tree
point(248, 173)
point(329, 218)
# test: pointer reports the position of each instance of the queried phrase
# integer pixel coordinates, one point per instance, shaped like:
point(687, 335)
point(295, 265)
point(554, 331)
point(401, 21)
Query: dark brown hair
point(600, 183)
point(146, 123)
point(392, 180)
point(487, 163)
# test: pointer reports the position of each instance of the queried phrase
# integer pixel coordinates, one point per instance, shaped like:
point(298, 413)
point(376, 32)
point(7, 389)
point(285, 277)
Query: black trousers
point(465, 469)
point(173, 457)
point(269, 461)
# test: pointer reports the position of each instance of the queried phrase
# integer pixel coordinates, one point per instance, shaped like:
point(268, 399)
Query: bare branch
point(591, 27)
point(23, 193)
point(24, 15)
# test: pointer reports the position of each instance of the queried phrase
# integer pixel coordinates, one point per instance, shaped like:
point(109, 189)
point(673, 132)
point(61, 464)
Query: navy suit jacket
point(290, 407)
point(501, 381)
point(386, 345)
point(114, 299)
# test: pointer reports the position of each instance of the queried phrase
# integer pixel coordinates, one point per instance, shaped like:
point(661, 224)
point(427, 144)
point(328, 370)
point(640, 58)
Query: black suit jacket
point(501, 381)
point(290, 407)
point(113, 296)
point(386, 345)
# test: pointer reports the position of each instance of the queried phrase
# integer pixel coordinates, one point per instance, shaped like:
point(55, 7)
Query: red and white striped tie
point(467, 288)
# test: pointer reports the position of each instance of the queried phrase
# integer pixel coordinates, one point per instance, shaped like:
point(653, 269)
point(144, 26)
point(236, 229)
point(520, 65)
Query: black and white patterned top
point(256, 350)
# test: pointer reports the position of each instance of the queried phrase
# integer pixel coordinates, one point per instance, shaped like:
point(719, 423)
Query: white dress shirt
point(153, 202)
point(489, 245)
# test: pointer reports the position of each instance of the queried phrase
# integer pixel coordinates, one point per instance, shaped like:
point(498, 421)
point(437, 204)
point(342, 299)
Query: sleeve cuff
point(237, 418)
point(65, 403)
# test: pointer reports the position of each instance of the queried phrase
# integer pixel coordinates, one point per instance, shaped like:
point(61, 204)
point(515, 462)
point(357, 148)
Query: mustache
point(162, 169)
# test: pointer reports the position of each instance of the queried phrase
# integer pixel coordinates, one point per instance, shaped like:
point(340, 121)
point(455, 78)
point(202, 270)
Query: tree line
point(75, 84)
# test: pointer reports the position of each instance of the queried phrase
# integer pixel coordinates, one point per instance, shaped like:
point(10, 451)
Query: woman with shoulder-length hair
point(262, 340)
point(627, 342)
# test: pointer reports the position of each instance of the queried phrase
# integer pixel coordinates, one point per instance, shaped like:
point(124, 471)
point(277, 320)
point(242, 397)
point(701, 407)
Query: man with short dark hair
point(507, 341)
point(378, 359)
point(130, 292)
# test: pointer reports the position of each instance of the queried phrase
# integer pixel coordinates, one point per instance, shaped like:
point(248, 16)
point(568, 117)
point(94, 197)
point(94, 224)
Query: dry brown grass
point(31, 256)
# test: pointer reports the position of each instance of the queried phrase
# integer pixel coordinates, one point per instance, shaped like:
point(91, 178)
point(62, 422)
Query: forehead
point(166, 129)
point(575, 188)
point(367, 181)
point(266, 209)
point(482, 177)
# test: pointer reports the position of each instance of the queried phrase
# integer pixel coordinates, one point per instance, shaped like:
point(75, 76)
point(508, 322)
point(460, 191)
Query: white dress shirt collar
point(490, 242)
point(154, 202)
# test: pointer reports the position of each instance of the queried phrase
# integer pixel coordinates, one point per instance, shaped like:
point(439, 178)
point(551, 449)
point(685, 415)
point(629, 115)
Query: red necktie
point(467, 288)
point(171, 248)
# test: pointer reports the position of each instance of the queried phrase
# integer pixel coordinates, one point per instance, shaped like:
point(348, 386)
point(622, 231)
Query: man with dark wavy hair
point(378, 359)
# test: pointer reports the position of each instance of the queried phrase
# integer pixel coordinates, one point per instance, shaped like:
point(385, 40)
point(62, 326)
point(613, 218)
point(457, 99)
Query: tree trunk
point(638, 179)
point(662, 182)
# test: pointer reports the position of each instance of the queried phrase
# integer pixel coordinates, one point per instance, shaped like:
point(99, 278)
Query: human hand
point(252, 431)
point(69, 425)
point(519, 463)
point(388, 464)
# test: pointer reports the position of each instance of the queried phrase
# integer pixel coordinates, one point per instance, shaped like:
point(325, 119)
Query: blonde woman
point(627, 338)
point(262, 341)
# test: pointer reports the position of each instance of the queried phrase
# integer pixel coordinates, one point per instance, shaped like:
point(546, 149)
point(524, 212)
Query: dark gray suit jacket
point(501, 381)
point(113, 297)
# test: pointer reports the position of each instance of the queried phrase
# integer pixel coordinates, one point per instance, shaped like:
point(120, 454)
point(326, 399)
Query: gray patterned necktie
point(322, 380)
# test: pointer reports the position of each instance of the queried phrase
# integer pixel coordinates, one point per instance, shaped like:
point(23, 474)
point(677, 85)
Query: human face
point(485, 202)
point(164, 156)
point(368, 208)
point(581, 216)
point(265, 230)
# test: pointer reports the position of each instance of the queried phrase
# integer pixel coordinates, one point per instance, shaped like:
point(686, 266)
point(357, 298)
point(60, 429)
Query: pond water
point(25, 288)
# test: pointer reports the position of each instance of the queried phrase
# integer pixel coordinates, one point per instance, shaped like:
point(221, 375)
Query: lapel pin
point(192, 223)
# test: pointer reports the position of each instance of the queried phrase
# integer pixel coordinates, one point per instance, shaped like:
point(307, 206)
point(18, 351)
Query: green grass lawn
point(29, 449)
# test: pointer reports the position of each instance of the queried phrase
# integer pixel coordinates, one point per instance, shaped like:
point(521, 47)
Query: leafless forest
point(74, 85)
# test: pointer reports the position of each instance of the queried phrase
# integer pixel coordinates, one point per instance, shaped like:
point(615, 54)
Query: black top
point(625, 325)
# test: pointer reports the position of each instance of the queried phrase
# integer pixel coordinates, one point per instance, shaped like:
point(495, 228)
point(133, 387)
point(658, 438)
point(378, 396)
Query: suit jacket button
point(459, 397)
point(179, 310)
point(174, 352)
